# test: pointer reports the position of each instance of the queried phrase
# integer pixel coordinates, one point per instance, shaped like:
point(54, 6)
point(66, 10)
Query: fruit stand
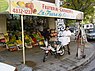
point(13, 40)
point(2, 39)
point(36, 8)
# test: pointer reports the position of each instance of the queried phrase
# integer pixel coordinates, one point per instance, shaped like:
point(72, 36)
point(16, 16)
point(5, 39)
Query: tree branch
point(84, 8)
point(74, 4)
point(81, 6)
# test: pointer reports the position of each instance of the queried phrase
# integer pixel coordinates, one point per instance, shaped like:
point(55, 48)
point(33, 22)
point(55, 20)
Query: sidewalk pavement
point(68, 62)
point(35, 55)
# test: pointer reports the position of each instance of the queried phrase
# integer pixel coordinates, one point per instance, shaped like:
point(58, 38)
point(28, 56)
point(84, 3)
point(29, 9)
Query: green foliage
point(85, 6)
point(70, 22)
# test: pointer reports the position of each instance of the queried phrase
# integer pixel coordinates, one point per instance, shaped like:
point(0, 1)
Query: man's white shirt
point(65, 37)
point(67, 34)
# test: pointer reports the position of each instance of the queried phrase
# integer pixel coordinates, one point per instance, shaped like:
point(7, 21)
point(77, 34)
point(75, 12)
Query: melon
point(3, 5)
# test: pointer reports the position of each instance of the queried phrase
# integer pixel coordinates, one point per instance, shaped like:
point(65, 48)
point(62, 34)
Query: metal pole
point(23, 39)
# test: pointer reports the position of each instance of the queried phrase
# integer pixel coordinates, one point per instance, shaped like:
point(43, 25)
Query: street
point(91, 65)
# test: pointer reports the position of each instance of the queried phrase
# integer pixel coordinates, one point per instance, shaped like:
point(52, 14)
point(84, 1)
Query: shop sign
point(40, 8)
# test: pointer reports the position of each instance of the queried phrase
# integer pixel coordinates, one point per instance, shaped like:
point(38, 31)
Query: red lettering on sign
point(65, 10)
point(21, 11)
point(49, 7)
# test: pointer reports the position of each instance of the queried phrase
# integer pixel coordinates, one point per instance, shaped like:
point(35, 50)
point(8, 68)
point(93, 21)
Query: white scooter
point(55, 49)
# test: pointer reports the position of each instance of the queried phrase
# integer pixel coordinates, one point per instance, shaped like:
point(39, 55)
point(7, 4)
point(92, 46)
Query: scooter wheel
point(62, 53)
point(44, 60)
point(45, 57)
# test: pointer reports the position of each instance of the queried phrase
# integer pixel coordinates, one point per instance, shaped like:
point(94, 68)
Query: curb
point(84, 62)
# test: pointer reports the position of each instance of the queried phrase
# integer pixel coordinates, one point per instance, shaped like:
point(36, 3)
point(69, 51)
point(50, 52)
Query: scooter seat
point(58, 42)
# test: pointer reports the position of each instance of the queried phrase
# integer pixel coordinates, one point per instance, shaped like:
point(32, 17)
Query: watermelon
point(3, 5)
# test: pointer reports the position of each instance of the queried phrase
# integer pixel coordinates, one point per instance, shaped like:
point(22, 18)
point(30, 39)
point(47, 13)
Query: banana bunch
point(14, 4)
point(41, 43)
point(27, 37)
point(11, 45)
point(21, 4)
point(18, 4)
point(18, 41)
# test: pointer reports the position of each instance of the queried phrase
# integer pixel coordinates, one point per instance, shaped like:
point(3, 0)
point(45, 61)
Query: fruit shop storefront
point(31, 10)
